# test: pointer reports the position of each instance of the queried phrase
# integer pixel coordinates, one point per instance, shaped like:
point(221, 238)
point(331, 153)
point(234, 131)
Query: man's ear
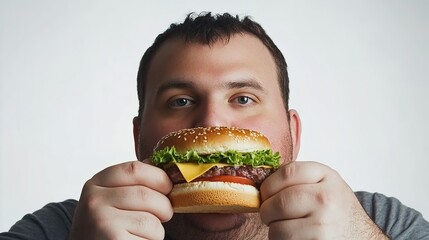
point(295, 131)
point(136, 132)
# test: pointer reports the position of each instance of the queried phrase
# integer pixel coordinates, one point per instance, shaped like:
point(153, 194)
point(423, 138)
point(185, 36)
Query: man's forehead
point(228, 49)
point(242, 52)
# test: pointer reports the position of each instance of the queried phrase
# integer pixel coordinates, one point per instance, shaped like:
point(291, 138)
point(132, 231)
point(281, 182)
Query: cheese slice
point(190, 171)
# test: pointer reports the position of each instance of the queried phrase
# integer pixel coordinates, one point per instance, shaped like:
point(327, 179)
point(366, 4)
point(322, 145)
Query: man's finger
point(291, 174)
point(139, 198)
point(133, 173)
point(294, 202)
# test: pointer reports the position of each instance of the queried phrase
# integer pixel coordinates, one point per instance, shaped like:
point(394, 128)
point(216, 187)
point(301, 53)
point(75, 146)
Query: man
point(219, 71)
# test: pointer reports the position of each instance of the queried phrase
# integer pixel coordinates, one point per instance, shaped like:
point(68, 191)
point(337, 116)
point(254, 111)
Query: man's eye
point(180, 102)
point(244, 100)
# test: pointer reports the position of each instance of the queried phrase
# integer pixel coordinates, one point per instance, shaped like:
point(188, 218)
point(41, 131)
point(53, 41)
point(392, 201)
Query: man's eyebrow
point(247, 83)
point(186, 84)
point(174, 84)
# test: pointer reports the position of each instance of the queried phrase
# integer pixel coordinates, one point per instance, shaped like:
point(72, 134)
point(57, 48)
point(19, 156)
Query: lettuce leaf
point(256, 158)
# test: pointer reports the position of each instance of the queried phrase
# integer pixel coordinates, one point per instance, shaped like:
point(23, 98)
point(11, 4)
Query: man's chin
point(213, 222)
point(215, 226)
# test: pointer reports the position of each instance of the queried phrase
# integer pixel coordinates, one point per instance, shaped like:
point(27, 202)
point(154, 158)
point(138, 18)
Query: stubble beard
point(246, 226)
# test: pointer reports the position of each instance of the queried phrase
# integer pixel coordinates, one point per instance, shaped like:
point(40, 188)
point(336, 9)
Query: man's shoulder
point(53, 221)
point(380, 206)
point(368, 197)
point(68, 205)
point(54, 210)
point(394, 218)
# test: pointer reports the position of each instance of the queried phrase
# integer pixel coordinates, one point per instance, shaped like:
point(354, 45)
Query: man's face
point(231, 84)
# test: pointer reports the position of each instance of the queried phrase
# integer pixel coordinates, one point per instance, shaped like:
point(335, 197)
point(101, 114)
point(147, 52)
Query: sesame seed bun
point(214, 139)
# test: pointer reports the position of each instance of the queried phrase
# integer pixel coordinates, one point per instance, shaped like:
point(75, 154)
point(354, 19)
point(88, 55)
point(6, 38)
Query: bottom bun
point(214, 197)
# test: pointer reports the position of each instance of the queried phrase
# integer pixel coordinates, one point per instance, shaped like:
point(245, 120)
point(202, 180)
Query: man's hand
point(125, 201)
point(308, 200)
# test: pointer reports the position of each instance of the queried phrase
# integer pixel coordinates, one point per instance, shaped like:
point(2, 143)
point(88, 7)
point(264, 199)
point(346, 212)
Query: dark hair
point(206, 28)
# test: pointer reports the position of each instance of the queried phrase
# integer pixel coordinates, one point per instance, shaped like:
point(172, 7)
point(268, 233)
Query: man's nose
point(212, 115)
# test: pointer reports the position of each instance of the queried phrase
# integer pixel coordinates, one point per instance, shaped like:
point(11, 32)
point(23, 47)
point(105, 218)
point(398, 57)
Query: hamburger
point(215, 169)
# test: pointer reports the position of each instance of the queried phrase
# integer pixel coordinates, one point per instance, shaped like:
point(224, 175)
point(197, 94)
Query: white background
point(358, 69)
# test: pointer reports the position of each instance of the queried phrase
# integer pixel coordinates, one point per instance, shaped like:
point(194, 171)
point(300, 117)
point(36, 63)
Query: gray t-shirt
point(398, 221)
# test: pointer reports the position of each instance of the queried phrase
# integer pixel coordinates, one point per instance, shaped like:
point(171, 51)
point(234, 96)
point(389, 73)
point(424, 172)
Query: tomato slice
point(226, 178)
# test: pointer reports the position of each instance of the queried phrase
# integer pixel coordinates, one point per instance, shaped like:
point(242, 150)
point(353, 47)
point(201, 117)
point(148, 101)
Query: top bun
point(214, 139)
